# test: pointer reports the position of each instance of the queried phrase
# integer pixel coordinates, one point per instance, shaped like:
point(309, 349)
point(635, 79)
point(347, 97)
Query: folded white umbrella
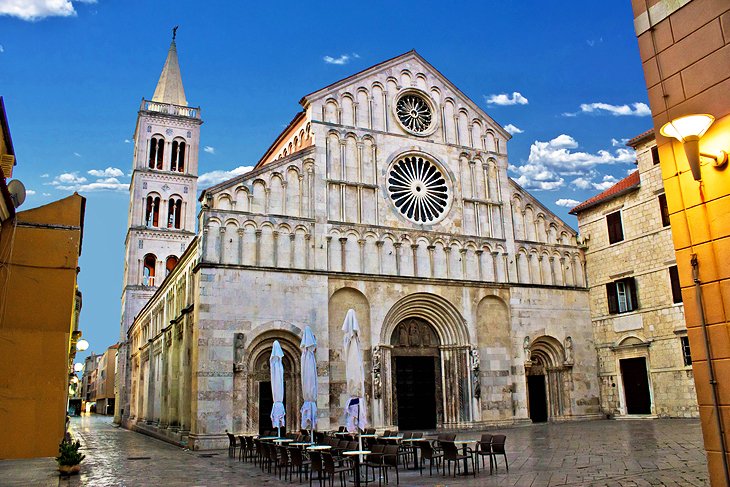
point(356, 411)
point(277, 387)
point(309, 381)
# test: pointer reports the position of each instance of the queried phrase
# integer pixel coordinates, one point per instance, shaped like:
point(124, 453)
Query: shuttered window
point(622, 296)
point(615, 229)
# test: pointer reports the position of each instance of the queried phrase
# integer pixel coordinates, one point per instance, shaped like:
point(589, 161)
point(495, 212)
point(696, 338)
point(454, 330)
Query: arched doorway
point(412, 321)
point(548, 374)
point(252, 383)
point(417, 375)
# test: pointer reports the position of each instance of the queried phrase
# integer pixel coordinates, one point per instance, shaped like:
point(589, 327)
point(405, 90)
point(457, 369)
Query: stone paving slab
point(639, 453)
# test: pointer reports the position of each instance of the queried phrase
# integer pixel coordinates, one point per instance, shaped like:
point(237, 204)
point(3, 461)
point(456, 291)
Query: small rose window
point(414, 113)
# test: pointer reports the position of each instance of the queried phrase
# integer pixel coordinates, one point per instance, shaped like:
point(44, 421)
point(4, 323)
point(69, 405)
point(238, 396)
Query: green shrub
point(69, 453)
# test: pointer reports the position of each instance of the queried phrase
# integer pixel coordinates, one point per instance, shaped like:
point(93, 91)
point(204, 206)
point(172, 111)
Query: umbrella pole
point(278, 431)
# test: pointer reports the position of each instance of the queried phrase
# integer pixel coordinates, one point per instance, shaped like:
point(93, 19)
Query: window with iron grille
point(686, 353)
point(622, 296)
point(615, 228)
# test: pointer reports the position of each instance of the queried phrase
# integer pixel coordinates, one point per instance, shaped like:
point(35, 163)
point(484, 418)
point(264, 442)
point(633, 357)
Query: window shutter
point(631, 283)
point(612, 298)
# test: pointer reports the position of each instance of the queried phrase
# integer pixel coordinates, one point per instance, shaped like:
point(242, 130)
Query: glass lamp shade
point(82, 345)
point(688, 127)
point(78, 367)
point(74, 380)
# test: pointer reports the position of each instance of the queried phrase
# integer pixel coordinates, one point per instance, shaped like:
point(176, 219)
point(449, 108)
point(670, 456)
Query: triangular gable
point(410, 55)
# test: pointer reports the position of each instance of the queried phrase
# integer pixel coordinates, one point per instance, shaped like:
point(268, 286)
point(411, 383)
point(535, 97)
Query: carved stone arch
point(421, 81)
point(255, 370)
point(430, 318)
point(331, 111)
point(548, 358)
point(406, 77)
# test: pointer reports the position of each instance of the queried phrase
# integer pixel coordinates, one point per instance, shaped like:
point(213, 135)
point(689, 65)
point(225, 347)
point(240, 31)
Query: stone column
point(187, 381)
point(447, 251)
point(240, 245)
point(414, 249)
point(275, 236)
point(150, 412)
point(221, 243)
point(379, 246)
point(542, 272)
point(430, 249)
point(165, 384)
point(307, 250)
point(361, 245)
point(258, 247)
point(343, 253)
point(292, 246)
point(479, 263)
point(495, 256)
point(462, 258)
point(397, 246)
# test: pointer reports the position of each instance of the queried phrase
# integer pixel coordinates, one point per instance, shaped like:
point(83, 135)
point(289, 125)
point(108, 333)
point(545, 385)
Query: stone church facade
point(388, 194)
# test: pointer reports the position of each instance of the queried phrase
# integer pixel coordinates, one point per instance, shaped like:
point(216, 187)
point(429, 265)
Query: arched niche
point(547, 367)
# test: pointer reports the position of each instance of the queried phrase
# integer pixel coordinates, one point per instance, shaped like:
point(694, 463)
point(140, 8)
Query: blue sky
point(566, 75)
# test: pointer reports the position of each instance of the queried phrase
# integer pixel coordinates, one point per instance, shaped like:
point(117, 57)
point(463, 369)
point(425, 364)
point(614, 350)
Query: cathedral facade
point(387, 194)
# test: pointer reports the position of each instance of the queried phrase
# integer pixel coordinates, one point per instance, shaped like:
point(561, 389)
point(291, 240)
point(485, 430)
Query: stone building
point(388, 194)
point(644, 360)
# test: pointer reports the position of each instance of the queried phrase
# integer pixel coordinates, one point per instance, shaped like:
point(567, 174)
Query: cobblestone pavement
point(596, 453)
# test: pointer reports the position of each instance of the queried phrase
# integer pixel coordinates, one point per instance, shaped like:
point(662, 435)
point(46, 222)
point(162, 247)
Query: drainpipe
point(710, 367)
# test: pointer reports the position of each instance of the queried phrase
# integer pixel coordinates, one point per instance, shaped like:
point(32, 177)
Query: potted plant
point(69, 458)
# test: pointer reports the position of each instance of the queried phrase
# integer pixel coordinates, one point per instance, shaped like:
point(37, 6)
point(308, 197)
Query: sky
point(564, 78)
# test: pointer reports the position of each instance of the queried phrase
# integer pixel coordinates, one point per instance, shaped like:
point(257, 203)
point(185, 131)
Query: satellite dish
point(17, 192)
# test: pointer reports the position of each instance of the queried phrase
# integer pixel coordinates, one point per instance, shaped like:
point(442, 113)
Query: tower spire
point(169, 87)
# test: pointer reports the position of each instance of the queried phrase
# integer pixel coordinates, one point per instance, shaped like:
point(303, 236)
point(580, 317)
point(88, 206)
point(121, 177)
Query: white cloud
point(511, 129)
point(33, 10)
point(549, 163)
point(45, 175)
point(582, 183)
point(77, 154)
point(607, 182)
point(46, 194)
point(127, 141)
point(504, 99)
point(212, 178)
point(109, 172)
point(71, 181)
point(30, 192)
point(567, 202)
point(209, 149)
point(2, 48)
point(619, 142)
point(593, 42)
point(343, 59)
point(635, 109)
point(355, 55)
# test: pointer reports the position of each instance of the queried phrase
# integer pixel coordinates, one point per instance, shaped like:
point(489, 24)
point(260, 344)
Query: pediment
point(409, 70)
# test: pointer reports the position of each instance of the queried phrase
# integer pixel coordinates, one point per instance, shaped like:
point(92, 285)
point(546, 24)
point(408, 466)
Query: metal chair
point(451, 454)
point(484, 449)
point(332, 468)
point(498, 442)
point(428, 453)
point(231, 445)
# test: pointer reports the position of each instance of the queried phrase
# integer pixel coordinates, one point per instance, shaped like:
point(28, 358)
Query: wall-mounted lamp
point(82, 345)
point(689, 129)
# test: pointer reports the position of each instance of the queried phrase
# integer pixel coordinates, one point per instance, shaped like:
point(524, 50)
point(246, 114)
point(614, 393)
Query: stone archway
point(449, 330)
point(253, 371)
point(548, 367)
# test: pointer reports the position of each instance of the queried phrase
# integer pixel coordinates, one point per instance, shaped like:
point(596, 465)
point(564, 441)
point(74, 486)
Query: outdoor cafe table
point(463, 444)
point(283, 440)
point(319, 447)
point(300, 443)
point(411, 442)
point(356, 454)
point(268, 438)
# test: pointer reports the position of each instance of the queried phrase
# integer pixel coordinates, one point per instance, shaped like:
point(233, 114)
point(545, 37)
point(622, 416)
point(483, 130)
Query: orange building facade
point(39, 308)
point(685, 51)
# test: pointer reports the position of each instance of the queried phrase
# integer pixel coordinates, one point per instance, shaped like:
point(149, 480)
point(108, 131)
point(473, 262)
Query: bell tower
point(162, 201)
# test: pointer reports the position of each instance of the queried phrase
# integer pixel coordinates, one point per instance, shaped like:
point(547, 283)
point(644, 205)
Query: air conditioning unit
point(7, 162)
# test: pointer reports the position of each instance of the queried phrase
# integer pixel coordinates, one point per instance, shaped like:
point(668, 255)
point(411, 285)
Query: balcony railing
point(170, 109)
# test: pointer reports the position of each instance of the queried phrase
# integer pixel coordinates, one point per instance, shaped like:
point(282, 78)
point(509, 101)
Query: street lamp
point(82, 345)
point(689, 129)
point(78, 367)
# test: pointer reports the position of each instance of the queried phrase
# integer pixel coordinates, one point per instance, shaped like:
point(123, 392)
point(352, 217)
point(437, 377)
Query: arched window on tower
point(177, 160)
point(174, 211)
point(148, 273)
point(152, 211)
point(157, 150)
point(170, 264)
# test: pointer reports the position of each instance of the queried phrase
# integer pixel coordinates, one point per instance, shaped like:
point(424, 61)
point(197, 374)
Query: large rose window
point(418, 189)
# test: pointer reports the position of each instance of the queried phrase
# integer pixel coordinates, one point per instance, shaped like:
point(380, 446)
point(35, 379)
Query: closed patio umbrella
point(355, 412)
point(277, 387)
point(309, 381)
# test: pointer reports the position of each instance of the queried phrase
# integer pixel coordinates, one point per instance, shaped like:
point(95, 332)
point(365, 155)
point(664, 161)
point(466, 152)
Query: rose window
point(414, 112)
point(418, 189)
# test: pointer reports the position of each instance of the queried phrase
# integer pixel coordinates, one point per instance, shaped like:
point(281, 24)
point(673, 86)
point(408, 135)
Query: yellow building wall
point(39, 251)
point(685, 51)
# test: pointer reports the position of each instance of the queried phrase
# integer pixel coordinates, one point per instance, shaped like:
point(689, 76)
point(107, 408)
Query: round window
point(415, 112)
point(418, 189)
